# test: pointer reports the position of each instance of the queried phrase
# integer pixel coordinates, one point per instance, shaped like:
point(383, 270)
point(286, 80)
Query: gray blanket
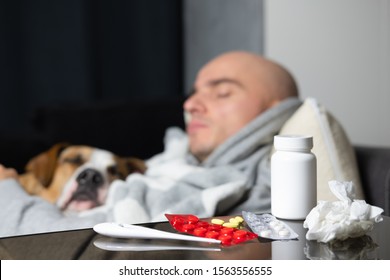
point(235, 177)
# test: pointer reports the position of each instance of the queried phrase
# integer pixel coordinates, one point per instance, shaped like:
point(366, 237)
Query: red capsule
point(200, 231)
point(177, 220)
point(240, 233)
point(188, 227)
point(202, 224)
point(191, 219)
point(227, 231)
point(215, 227)
point(212, 234)
point(225, 239)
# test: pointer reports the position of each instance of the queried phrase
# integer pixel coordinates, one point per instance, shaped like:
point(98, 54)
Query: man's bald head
point(229, 92)
point(257, 71)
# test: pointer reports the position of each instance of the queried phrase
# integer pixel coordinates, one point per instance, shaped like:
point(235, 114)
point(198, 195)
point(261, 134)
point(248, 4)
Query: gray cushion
point(374, 169)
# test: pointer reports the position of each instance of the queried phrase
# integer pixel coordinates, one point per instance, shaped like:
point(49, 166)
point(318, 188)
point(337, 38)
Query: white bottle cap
point(293, 142)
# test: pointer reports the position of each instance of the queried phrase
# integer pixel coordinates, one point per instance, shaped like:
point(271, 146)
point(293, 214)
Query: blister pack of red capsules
point(191, 224)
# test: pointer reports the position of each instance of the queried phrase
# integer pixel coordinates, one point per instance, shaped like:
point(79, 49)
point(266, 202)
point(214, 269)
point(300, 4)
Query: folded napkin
point(346, 218)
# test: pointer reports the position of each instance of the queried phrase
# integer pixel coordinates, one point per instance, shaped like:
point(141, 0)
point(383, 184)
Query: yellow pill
point(239, 219)
point(217, 221)
point(230, 225)
point(235, 220)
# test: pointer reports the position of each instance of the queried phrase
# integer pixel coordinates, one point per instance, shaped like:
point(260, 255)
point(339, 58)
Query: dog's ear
point(135, 165)
point(43, 165)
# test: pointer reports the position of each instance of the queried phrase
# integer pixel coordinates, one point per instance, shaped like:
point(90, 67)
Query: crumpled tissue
point(339, 220)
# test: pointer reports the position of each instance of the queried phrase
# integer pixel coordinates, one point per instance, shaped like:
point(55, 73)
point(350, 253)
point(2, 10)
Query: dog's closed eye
point(76, 160)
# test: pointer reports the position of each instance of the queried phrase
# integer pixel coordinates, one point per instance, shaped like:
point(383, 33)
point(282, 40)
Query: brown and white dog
point(76, 178)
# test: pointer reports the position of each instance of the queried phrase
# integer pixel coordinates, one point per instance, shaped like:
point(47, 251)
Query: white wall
point(339, 51)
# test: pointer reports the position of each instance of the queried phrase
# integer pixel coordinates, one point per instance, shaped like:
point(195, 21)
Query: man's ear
point(43, 165)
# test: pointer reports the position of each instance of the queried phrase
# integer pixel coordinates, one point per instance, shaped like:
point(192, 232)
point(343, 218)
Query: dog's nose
point(90, 177)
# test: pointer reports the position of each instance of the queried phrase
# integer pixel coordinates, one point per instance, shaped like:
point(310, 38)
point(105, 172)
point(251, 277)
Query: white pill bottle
point(293, 177)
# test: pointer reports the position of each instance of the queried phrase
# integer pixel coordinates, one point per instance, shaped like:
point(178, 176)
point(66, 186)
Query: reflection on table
point(86, 244)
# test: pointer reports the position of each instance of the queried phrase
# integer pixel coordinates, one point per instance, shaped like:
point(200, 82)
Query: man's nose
point(193, 104)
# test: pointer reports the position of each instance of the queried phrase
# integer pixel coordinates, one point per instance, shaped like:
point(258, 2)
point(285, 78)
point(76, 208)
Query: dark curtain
point(67, 52)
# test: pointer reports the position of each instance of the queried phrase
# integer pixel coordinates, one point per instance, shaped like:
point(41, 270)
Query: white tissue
point(341, 219)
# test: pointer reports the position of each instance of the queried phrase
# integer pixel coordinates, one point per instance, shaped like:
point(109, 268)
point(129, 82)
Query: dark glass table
point(86, 244)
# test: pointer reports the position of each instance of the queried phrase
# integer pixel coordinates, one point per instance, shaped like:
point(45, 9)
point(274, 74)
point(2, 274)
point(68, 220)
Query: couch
point(136, 128)
point(374, 170)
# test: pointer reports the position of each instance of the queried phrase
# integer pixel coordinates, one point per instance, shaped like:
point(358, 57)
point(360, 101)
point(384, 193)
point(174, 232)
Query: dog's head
point(76, 178)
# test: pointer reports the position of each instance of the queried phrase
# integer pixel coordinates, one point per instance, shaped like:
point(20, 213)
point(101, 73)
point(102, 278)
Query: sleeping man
point(219, 166)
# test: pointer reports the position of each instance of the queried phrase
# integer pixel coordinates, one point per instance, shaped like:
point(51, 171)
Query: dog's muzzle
point(90, 178)
point(88, 183)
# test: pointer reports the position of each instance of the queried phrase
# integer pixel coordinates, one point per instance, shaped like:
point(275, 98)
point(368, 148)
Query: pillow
point(335, 155)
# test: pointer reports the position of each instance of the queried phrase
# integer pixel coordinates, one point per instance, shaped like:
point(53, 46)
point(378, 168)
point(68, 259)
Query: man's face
point(226, 96)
